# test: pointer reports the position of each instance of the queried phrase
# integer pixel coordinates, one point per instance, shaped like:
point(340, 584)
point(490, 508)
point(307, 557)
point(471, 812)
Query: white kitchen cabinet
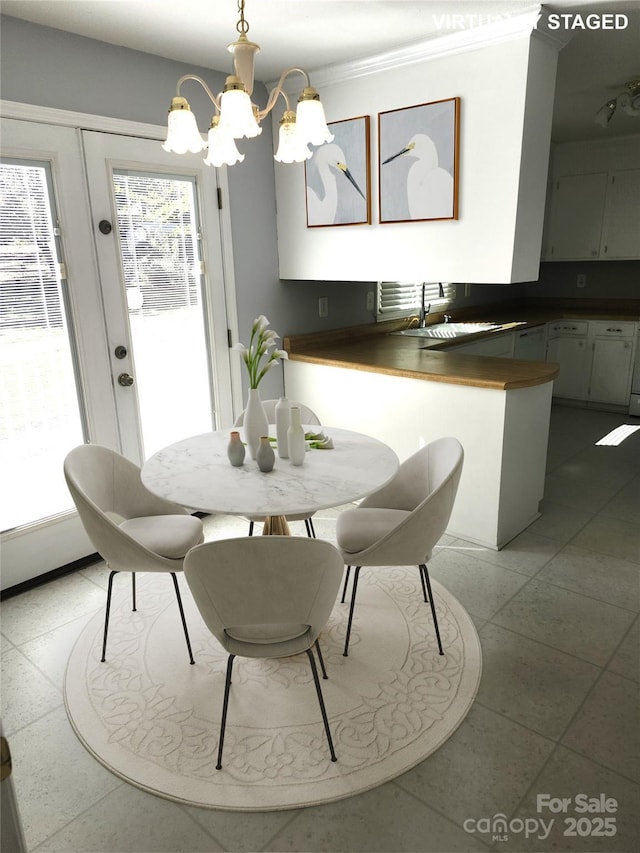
point(568, 347)
point(593, 209)
point(613, 348)
point(578, 203)
point(595, 358)
point(497, 345)
point(530, 344)
point(621, 224)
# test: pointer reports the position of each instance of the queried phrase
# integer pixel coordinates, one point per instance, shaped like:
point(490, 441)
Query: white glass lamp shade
point(311, 121)
point(236, 114)
point(222, 147)
point(182, 131)
point(291, 149)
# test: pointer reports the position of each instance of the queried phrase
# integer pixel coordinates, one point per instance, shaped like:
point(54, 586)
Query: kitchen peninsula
point(406, 395)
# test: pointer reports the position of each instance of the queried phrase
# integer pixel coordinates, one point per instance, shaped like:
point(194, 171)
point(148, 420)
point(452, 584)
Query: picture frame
point(338, 176)
point(418, 162)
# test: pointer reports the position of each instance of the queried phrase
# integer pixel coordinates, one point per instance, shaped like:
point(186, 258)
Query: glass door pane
point(162, 272)
point(40, 408)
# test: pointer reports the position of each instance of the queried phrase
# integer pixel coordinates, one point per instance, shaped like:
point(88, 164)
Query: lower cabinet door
point(574, 357)
point(611, 371)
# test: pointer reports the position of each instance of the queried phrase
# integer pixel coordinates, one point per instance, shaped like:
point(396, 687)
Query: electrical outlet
point(371, 300)
point(467, 290)
point(581, 280)
point(323, 306)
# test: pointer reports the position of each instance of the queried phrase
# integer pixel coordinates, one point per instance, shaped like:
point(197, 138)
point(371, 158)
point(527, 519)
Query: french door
point(129, 336)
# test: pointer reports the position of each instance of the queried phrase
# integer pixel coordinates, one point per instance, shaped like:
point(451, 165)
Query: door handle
point(125, 380)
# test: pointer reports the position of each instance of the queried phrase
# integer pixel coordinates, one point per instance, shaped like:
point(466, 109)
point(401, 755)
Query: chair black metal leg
point(324, 671)
point(310, 528)
point(225, 704)
point(356, 575)
point(106, 616)
point(425, 573)
point(346, 581)
point(424, 587)
point(133, 590)
point(251, 528)
point(184, 621)
point(321, 701)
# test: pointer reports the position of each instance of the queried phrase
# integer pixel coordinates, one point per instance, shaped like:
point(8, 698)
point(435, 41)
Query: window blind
point(40, 403)
point(403, 298)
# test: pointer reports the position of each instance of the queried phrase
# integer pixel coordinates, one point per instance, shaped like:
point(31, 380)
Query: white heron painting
point(337, 177)
point(418, 162)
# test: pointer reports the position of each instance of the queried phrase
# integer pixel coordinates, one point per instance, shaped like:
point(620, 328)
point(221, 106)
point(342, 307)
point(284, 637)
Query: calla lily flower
point(261, 345)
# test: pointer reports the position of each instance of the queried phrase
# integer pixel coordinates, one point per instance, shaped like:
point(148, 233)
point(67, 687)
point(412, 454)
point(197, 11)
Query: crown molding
point(86, 121)
point(451, 44)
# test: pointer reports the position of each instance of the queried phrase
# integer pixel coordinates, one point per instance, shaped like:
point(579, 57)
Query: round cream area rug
point(154, 720)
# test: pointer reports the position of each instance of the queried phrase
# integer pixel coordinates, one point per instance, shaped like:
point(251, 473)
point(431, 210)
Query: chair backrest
point(425, 485)
point(106, 489)
point(261, 581)
point(307, 415)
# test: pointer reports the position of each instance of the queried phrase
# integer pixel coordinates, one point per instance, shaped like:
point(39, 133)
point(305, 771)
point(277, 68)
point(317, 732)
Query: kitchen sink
point(448, 330)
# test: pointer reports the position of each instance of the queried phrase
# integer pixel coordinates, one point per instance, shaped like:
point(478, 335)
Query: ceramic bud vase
point(255, 422)
point(295, 438)
point(235, 450)
point(283, 417)
point(265, 457)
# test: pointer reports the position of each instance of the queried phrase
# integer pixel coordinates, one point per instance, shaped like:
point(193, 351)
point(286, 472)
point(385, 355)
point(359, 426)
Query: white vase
point(283, 417)
point(295, 438)
point(255, 423)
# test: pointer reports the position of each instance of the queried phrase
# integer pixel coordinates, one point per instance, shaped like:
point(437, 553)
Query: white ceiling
point(317, 33)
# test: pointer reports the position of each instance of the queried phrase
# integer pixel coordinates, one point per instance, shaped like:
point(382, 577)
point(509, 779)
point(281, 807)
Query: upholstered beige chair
point(307, 416)
point(132, 529)
point(401, 523)
point(266, 597)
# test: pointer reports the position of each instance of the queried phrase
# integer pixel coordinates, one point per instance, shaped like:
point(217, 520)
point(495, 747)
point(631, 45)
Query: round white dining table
point(197, 474)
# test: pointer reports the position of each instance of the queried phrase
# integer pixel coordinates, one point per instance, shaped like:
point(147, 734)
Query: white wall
point(501, 178)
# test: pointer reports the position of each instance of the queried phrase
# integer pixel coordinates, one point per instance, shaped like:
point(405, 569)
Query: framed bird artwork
point(338, 176)
point(418, 153)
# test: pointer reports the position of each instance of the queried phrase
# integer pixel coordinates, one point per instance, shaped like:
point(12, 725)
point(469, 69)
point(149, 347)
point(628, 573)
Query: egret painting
point(337, 177)
point(418, 162)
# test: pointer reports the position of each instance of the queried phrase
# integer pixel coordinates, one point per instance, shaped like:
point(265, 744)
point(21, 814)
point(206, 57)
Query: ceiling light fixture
point(237, 117)
point(628, 101)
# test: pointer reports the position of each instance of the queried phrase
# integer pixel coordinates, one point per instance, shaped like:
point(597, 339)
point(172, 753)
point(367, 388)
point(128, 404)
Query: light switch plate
point(323, 306)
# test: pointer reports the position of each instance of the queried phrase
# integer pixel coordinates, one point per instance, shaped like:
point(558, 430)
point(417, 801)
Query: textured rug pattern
point(153, 719)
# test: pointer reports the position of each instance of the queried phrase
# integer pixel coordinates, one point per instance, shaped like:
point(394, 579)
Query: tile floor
point(556, 713)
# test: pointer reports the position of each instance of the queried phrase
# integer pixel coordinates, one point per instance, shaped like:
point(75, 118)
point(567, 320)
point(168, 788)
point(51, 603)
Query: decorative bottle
point(255, 422)
point(265, 457)
point(283, 417)
point(295, 438)
point(235, 450)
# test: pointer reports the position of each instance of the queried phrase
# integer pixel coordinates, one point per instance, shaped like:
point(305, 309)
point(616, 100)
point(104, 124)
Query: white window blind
point(40, 412)
point(403, 299)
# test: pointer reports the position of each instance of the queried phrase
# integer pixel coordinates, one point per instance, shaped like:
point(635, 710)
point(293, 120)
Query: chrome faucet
point(447, 318)
point(424, 310)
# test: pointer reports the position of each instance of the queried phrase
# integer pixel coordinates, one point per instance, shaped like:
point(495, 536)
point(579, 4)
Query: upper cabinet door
point(576, 219)
point(621, 230)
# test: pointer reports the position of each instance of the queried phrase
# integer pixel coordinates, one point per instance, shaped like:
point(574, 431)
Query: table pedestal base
point(276, 525)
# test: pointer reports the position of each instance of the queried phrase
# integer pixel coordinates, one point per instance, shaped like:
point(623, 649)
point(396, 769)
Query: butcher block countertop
point(397, 356)
point(373, 348)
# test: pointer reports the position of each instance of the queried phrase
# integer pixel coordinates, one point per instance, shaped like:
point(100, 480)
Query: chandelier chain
point(242, 26)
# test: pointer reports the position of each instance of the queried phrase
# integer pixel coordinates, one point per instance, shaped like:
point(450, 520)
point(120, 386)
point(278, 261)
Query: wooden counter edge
point(547, 371)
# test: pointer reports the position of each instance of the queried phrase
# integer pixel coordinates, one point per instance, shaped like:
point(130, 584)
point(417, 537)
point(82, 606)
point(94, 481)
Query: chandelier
point(628, 101)
point(236, 116)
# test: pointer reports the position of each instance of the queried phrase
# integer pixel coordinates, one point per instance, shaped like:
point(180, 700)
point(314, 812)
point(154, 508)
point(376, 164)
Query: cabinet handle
point(614, 330)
